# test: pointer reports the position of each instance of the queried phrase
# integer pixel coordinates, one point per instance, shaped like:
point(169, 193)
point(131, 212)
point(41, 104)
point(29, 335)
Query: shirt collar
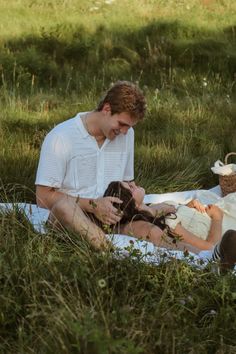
point(80, 125)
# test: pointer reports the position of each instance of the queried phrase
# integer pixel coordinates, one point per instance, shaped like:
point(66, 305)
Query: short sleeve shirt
point(72, 161)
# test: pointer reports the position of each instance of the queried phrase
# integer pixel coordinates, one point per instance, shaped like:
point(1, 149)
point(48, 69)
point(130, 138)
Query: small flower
point(102, 283)
point(212, 313)
point(94, 8)
point(190, 298)
point(204, 83)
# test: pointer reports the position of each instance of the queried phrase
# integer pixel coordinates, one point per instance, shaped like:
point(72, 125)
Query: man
point(82, 155)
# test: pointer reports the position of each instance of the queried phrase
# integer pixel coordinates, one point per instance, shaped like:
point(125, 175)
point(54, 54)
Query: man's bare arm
point(47, 197)
point(102, 208)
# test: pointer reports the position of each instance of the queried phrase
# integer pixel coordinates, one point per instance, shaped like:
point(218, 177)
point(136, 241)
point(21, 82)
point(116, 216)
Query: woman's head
point(128, 190)
point(132, 197)
point(123, 192)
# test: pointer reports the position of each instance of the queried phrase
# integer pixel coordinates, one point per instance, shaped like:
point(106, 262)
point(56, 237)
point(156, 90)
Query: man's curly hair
point(124, 96)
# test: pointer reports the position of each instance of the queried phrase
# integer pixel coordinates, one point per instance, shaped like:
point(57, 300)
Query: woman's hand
point(214, 212)
point(162, 208)
point(197, 205)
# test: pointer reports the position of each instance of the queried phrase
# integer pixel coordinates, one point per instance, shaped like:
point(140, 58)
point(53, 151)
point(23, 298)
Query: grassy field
point(56, 58)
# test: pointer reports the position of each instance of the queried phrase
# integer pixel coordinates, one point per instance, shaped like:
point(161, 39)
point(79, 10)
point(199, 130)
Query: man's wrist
point(92, 205)
point(217, 219)
point(87, 204)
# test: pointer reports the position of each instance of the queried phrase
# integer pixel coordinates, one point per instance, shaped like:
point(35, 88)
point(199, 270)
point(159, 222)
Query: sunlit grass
point(57, 295)
point(212, 15)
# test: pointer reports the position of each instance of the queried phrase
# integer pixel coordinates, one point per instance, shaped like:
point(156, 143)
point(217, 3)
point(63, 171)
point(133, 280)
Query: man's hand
point(163, 208)
point(104, 210)
point(197, 205)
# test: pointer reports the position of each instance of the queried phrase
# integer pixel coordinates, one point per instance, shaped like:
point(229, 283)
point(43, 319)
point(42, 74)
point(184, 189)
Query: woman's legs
point(225, 251)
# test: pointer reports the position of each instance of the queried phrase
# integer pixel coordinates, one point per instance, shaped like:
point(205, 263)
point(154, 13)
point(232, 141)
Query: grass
point(56, 57)
point(58, 295)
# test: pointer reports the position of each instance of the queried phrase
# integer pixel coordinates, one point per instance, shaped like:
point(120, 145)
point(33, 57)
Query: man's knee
point(64, 211)
point(70, 215)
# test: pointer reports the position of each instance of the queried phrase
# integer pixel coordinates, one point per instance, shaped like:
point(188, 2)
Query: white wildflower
point(102, 283)
point(94, 8)
point(212, 313)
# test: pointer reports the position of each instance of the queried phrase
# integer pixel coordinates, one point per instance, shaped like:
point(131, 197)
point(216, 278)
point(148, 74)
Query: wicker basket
point(228, 183)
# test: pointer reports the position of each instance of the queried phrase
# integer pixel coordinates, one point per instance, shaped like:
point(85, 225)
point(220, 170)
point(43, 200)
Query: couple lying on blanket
point(193, 227)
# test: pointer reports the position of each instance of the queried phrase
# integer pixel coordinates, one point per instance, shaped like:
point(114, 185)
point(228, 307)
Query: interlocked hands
point(213, 211)
point(197, 205)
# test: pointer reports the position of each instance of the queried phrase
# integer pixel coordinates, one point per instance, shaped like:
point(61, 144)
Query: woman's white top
point(199, 223)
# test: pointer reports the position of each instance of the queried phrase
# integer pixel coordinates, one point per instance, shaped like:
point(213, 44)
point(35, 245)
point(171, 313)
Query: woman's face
point(137, 192)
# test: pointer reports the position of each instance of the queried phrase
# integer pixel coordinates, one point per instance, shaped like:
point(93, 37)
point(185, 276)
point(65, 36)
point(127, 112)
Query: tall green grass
point(57, 295)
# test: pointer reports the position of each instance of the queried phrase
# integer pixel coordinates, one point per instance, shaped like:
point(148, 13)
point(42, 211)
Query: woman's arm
point(190, 239)
point(146, 231)
point(149, 232)
point(157, 209)
point(152, 233)
point(216, 215)
point(214, 234)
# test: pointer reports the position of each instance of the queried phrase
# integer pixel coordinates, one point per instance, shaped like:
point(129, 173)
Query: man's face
point(118, 123)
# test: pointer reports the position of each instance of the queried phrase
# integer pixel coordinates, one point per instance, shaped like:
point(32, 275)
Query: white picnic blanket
point(180, 197)
point(38, 217)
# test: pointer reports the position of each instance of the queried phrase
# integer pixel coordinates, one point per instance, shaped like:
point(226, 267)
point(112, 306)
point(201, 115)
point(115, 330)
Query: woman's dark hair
point(130, 211)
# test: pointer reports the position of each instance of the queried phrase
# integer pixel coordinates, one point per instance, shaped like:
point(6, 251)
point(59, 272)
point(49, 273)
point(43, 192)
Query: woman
point(171, 230)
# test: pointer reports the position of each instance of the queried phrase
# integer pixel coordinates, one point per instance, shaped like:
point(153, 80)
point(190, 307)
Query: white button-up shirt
point(72, 161)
